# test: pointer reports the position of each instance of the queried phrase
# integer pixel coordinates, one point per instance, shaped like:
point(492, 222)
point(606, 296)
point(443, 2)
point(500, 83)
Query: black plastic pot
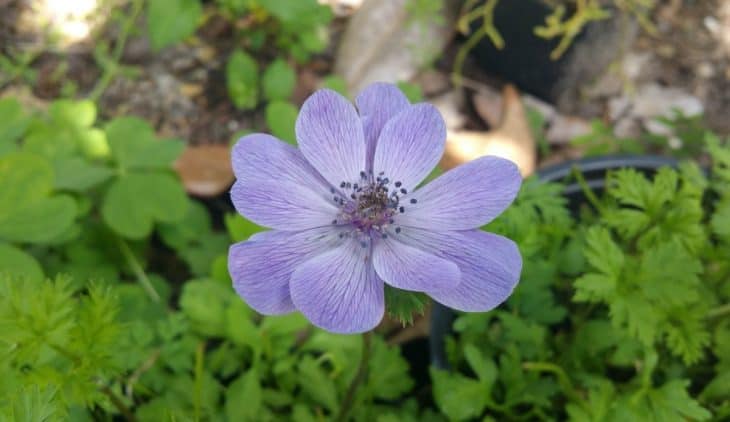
point(594, 171)
point(526, 59)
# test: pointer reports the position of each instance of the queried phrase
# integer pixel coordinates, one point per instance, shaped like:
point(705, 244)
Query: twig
point(362, 371)
point(146, 365)
point(718, 312)
point(123, 409)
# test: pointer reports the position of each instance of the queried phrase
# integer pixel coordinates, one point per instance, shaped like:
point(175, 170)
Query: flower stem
point(137, 269)
point(360, 376)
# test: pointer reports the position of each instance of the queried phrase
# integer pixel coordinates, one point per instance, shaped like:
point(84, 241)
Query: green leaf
point(290, 11)
point(484, 367)
point(388, 376)
point(337, 84)
point(671, 402)
point(317, 384)
point(594, 287)
point(27, 211)
point(35, 403)
point(402, 305)
point(13, 124)
point(239, 228)
point(720, 222)
point(16, 263)
point(242, 80)
point(244, 398)
point(603, 253)
point(204, 302)
point(459, 397)
point(278, 81)
point(281, 118)
point(194, 240)
point(73, 114)
point(171, 21)
point(134, 145)
point(136, 201)
point(240, 328)
point(411, 91)
point(78, 175)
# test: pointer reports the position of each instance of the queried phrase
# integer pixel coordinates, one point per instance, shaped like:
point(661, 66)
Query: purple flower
point(347, 215)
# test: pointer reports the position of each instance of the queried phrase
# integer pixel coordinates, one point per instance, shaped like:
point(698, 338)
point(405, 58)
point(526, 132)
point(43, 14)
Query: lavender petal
point(330, 135)
point(263, 157)
point(490, 266)
point(465, 197)
point(410, 268)
point(261, 268)
point(410, 145)
point(282, 205)
point(339, 290)
point(377, 104)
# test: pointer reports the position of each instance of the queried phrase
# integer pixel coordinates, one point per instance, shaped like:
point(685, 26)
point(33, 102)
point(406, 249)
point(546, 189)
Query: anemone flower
point(348, 214)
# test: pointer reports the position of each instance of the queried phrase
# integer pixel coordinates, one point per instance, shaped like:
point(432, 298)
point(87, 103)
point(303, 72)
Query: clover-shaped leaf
point(28, 210)
point(134, 145)
point(16, 263)
point(134, 202)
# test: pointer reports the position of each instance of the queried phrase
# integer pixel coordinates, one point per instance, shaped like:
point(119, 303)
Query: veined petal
point(465, 197)
point(410, 268)
point(377, 104)
point(263, 157)
point(261, 268)
point(330, 135)
point(490, 266)
point(282, 205)
point(410, 145)
point(339, 290)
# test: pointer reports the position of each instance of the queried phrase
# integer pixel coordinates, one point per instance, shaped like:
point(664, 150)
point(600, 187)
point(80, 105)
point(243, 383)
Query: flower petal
point(263, 157)
point(330, 135)
point(490, 266)
point(339, 290)
point(409, 268)
point(282, 204)
point(465, 197)
point(377, 103)
point(410, 145)
point(261, 268)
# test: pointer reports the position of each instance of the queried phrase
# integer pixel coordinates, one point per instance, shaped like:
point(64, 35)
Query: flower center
point(370, 205)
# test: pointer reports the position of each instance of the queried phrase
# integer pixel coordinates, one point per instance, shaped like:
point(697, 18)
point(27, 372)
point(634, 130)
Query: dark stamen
point(398, 184)
point(403, 191)
point(397, 229)
point(402, 209)
point(413, 200)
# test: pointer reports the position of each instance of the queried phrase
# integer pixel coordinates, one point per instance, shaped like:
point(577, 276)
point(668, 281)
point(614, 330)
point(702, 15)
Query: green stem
point(137, 269)
point(199, 356)
point(719, 312)
point(111, 66)
point(360, 376)
point(592, 198)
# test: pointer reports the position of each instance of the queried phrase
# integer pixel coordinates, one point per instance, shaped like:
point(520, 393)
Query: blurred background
point(591, 76)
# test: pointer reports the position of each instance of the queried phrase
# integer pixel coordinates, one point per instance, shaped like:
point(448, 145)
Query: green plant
point(621, 313)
